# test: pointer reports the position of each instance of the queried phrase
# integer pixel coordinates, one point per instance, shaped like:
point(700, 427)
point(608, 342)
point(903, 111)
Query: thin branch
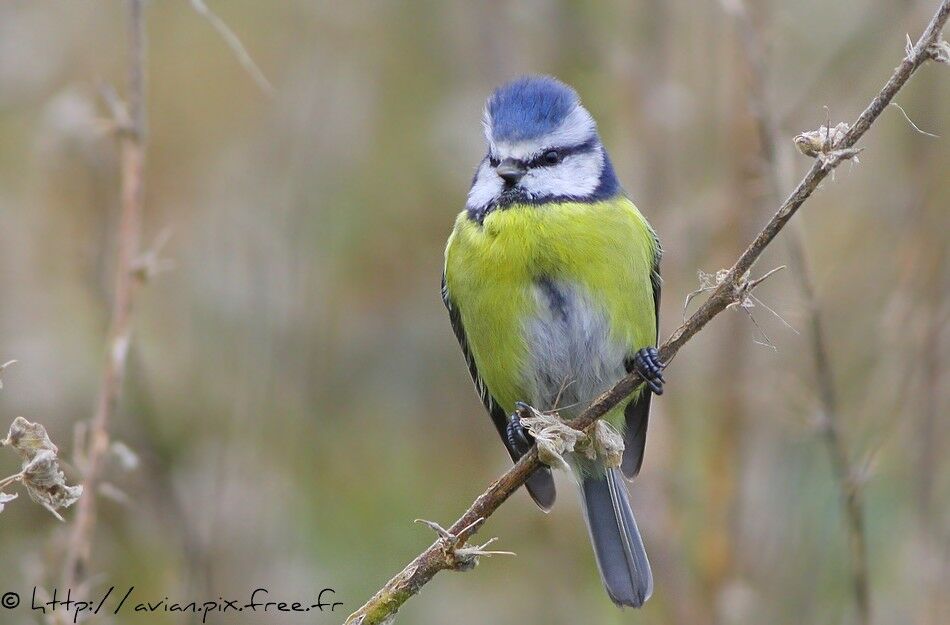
point(237, 48)
point(386, 602)
point(911, 122)
point(778, 174)
point(16, 477)
point(132, 171)
point(3, 367)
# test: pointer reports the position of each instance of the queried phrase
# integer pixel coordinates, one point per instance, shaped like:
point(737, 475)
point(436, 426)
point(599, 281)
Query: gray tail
point(621, 558)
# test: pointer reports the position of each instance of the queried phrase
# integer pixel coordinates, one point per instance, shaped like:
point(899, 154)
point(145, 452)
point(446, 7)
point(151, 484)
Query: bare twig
point(132, 171)
point(911, 122)
point(386, 602)
point(231, 39)
point(3, 368)
point(778, 174)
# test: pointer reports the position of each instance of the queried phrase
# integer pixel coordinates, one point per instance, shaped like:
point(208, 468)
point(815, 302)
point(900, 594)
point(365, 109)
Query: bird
point(552, 284)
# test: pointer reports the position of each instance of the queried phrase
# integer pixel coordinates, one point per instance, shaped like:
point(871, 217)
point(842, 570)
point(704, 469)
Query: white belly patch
point(572, 357)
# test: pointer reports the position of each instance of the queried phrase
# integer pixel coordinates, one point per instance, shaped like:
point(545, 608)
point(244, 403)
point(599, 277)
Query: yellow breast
point(605, 248)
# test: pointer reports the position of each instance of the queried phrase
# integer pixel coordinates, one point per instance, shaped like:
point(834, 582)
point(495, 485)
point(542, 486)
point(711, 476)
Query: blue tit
point(552, 285)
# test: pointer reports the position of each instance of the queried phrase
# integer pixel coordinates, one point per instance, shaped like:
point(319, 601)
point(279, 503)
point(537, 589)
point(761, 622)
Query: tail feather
point(621, 558)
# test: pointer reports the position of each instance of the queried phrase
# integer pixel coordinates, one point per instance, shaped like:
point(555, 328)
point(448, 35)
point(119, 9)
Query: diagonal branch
point(383, 606)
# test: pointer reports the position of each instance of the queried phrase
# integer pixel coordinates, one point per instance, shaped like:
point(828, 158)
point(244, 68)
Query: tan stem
point(131, 133)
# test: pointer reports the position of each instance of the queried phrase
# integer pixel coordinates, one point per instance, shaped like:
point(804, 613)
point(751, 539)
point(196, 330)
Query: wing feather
point(541, 483)
point(637, 412)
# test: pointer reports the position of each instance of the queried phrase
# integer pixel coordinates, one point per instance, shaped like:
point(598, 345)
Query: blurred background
point(295, 395)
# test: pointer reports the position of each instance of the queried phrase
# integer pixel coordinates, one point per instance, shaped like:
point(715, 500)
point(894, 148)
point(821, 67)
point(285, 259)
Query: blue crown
point(529, 107)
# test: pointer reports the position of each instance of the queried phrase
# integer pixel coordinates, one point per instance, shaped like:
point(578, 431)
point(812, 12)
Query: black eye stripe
point(563, 152)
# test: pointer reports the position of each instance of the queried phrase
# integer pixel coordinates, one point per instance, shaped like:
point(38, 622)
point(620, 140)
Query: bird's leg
point(647, 363)
point(518, 436)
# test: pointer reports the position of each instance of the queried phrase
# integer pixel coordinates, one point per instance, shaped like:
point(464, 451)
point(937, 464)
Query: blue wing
point(637, 412)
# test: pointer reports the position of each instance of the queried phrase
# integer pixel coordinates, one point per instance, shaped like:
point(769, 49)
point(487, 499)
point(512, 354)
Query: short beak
point(511, 171)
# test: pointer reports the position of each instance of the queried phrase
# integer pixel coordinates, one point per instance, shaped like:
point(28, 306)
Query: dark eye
point(551, 157)
point(494, 162)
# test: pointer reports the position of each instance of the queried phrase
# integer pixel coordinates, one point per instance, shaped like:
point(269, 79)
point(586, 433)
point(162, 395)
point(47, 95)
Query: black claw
point(518, 437)
point(647, 363)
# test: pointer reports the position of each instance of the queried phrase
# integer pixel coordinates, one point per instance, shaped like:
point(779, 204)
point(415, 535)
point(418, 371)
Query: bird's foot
point(518, 436)
point(647, 363)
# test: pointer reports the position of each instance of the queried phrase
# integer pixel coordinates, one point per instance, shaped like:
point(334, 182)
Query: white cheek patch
point(577, 175)
point(487, 186)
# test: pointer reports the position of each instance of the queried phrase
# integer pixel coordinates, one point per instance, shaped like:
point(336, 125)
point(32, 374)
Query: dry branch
point(234, 43)
point(131, 126)
point(383, 606)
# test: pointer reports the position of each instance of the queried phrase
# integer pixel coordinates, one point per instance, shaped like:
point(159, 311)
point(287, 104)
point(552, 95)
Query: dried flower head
point(823, 145)
point(821, 141)
point(555, 438)
point(40, 473)
point(607, 443)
